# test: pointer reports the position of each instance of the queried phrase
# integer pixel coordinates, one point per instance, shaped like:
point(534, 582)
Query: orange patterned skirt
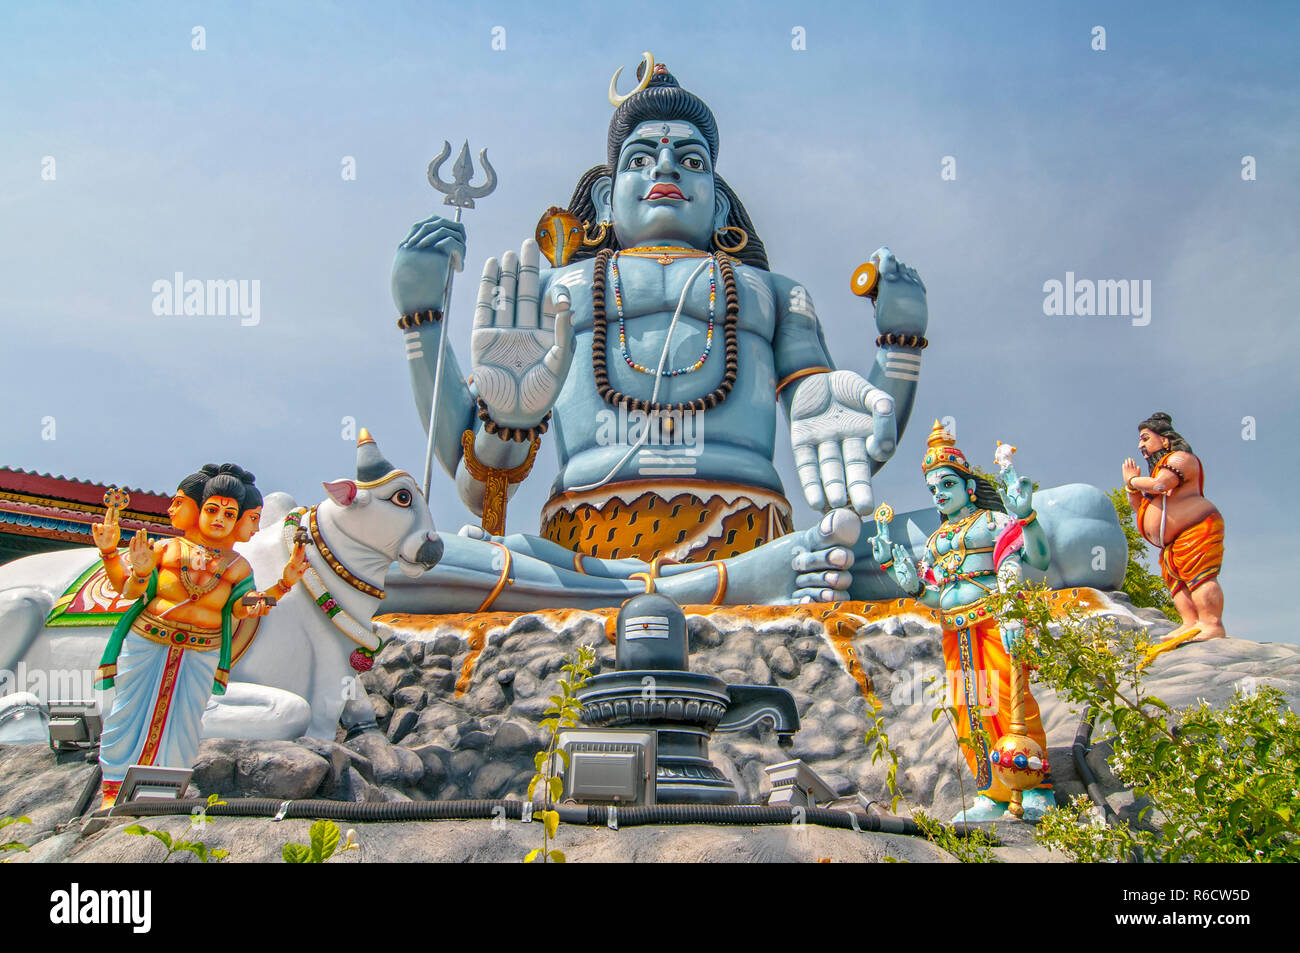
point(686, 521)
point(1195, 556)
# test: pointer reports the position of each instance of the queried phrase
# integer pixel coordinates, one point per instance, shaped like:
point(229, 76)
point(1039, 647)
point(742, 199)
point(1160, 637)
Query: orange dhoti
point(1195, 556)
point(979, 681)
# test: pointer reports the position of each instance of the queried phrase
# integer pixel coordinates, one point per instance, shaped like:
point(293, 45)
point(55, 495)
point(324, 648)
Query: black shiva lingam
point(652, 689)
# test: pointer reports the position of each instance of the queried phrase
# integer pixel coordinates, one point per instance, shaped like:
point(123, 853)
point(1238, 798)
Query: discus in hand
point(115, 501)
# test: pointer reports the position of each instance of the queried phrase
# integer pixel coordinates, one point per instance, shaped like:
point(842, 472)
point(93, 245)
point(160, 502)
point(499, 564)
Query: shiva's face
point(663, 187)
point(248, 524)
point(217, 517)
point(949, 489)
point(183, 512)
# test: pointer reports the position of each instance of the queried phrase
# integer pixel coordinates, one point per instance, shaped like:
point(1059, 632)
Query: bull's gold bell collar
point(942, 452)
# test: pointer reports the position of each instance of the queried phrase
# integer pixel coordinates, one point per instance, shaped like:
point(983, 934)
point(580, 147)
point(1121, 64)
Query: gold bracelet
point(1033, 515)
point(496, 482)
point(109, 554)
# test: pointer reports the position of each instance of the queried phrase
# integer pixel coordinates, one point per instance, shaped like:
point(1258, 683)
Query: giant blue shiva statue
point(655, 354)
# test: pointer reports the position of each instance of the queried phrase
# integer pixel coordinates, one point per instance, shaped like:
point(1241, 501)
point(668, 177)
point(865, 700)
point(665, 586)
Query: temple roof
point(52, 487)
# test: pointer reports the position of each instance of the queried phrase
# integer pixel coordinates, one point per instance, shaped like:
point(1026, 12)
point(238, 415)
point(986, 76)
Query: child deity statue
point(171, 651)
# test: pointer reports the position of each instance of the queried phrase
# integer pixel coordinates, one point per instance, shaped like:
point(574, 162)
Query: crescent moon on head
point(615, 99)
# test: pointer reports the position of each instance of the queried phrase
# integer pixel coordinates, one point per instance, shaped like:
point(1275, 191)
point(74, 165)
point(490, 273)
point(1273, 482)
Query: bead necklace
point(731, 357)
point(213, 565)
point(622, 328)
point(664, 254)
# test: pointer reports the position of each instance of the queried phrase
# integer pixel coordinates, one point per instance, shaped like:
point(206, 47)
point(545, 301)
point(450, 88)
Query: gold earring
point(731, 249)
point(588, 240)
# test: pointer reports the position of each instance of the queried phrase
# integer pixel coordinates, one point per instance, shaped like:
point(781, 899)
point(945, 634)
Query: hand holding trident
point(460, 194)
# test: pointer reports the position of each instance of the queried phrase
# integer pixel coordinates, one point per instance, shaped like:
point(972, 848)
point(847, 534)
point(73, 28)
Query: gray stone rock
point(806, 649)
point(437, 661)
point(449, 645)
point(474, 740)
point(506, 676)
point(439, 682)
point(465, 764)
point(525, 685)
point(389, 765)
point(278, 769)
point(783, 663)
point(702, 633)
point(412, 696)
point(492, 780)
point(513, 738)
point(487, 698)
point(435, 759)
point(758, 672)
point(890, 650)
point(402, 724)
point(336, 755)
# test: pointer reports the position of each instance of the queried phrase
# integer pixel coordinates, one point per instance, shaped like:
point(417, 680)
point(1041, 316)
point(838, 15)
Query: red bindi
point(664, 140)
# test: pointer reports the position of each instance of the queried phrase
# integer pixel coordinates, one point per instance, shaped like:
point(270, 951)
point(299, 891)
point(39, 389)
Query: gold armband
point(496, 482)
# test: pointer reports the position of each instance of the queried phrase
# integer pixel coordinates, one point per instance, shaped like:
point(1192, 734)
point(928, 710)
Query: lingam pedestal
point(653, 689)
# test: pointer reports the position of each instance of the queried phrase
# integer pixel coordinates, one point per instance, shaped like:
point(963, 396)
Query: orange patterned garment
point(1195, 556)
point(979, 677)
point(685, 521)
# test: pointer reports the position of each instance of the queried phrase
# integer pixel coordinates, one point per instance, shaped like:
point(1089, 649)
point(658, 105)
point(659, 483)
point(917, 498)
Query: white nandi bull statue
point(298, 672)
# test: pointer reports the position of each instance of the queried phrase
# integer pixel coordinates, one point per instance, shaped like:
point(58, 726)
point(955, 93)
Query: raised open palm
point(521, 347)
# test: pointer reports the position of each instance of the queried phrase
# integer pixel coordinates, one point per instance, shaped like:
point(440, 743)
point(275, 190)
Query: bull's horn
point(615, 99)
point(371, 464)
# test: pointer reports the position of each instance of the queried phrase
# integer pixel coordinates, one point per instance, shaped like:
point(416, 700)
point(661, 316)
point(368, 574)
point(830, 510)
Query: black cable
point(1082, 745)
point(581, 814)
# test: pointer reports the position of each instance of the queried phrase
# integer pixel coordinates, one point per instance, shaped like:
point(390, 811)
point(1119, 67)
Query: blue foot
point(984, 809)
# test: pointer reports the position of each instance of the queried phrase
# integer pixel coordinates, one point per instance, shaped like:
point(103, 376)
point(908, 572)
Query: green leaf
point(557, 788)
point(557, 857)
point(552, 821)
point(6, 821)
point(564, 756)
point(532, 855)
point(1201, 783)
point(550, 724)
point(296, 854)
point(532, 785)
point(135, 829)
point(539, 760)
point(557, 700)
point(162, 836)
point(1162, 751)
point(218, 853)
point(197, 848)
point(324, 839)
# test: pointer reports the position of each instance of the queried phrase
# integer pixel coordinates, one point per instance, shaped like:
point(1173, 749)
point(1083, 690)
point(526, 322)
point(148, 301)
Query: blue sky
point(225, 163)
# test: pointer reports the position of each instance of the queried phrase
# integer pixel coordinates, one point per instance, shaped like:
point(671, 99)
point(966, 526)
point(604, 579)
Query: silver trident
point(462, 195)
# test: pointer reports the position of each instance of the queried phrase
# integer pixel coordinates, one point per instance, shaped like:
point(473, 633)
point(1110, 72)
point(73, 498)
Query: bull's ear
point(342, 492)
